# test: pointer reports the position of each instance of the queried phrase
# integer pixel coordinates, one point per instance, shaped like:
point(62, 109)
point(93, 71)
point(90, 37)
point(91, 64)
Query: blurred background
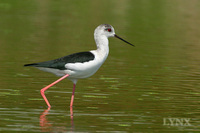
point(138, 89)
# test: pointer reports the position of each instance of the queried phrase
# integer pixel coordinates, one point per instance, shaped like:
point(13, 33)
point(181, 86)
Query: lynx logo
point(176, 122)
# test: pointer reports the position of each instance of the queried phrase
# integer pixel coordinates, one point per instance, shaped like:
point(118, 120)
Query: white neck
point(102, 44)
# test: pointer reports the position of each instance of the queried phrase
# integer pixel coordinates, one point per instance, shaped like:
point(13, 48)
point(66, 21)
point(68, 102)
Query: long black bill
point(123, 40)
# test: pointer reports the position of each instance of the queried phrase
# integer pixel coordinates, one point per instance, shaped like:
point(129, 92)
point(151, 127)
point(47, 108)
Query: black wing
point(60, 62)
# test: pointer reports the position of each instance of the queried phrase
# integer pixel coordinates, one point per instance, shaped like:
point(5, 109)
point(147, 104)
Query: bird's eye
point(109, 30)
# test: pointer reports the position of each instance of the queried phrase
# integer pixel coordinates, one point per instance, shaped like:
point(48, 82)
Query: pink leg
point(72, 118)
point(45, 88)
point(72, 98)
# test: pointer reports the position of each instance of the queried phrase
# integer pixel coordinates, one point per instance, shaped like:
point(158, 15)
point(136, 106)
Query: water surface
point(138, 89)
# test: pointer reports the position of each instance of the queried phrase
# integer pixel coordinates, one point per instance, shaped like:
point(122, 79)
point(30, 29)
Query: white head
point(105, 29)
point(108, 31)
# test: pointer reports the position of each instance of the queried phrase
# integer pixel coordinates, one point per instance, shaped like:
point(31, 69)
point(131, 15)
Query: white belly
point(86, 69)
point(80, 70)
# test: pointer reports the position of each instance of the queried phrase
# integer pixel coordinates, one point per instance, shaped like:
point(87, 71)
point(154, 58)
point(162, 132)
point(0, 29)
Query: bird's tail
point(33, 64)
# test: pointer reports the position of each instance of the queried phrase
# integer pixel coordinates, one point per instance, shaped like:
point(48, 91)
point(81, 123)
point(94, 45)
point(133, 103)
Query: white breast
point(86, 69)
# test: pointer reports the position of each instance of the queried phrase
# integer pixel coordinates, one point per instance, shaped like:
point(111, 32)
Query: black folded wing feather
point(61, 62)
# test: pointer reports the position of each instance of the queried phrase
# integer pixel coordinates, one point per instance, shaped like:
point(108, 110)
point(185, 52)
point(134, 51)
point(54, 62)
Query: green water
point(138, 89)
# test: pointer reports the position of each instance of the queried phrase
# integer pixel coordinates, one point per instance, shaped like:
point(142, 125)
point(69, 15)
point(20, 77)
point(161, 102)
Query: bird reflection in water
point(46, 125)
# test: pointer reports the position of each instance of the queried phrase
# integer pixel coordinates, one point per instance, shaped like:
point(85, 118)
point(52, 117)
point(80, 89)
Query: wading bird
point(79, 65)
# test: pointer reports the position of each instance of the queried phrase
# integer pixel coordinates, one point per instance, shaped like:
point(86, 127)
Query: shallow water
point(153, 87)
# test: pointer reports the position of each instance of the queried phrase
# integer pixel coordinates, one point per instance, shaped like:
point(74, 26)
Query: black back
point(60, 62)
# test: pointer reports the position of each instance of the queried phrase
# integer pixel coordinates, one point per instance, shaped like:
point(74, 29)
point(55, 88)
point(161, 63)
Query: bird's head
point(108, 31)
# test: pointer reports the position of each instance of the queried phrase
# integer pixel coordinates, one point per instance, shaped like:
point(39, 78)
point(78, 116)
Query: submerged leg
point(72, 98)
point(45, 88)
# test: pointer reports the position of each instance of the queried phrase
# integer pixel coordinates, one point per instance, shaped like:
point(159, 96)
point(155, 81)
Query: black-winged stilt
point(79, 65)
